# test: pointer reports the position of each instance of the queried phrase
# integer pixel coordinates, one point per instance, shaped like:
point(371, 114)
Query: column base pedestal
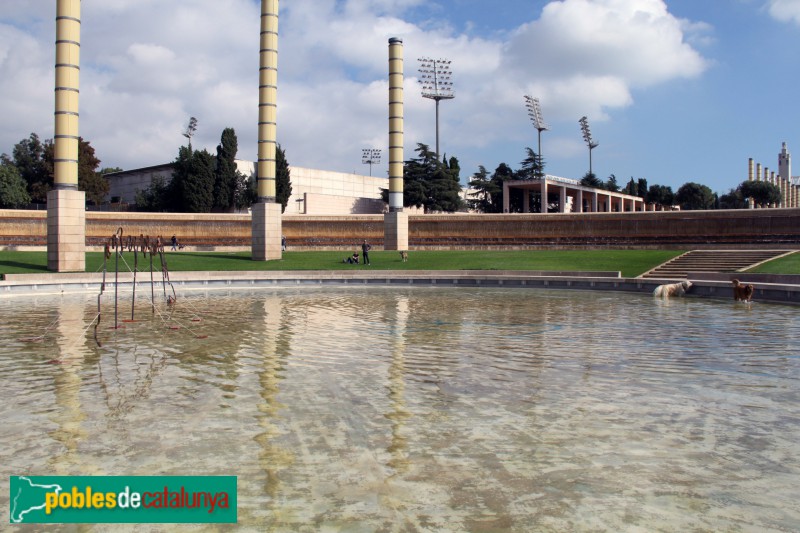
point(66, 230)
point(395, 231)
point(266, 231)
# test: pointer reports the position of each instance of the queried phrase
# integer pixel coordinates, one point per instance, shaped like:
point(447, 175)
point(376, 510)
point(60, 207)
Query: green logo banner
point(122, 499)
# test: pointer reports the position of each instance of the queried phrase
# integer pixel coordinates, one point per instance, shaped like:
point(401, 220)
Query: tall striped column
point(395, 232)
point(758, 172)
point(396, 127)
point(66, 205)
point(268, 101)
point(68, 54)
point(750, 169)
point(266, 212)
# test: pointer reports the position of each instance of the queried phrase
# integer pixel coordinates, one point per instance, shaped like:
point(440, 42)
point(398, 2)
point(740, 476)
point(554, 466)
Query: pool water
point(419, 409)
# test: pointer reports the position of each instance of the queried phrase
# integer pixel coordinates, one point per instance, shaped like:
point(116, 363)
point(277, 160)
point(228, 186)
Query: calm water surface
point(420, 409)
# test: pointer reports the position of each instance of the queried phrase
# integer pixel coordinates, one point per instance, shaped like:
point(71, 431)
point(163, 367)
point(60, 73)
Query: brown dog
point(404, 256)
point(742, 292)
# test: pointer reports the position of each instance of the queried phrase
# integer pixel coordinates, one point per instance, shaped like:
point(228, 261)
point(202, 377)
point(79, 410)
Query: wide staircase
point(712, 261)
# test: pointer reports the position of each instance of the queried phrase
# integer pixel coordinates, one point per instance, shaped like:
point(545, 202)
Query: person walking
point(365, 248)
point(174, 243)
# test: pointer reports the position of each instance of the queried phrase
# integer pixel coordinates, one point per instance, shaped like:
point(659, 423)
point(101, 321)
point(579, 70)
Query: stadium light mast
point(436, 80)
point(535, 113)
point(587, 136)
point(370, 156)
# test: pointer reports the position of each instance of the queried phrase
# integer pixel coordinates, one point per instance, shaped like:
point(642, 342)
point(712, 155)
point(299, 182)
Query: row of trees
point(202, 183)
point(27, 175)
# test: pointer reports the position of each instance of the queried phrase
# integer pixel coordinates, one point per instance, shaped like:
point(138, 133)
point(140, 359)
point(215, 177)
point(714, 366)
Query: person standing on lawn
point(365, 248)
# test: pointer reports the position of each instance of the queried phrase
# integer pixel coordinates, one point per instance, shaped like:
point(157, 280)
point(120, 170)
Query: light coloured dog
point(672, 289)
point(404, 256)
point(742, 292)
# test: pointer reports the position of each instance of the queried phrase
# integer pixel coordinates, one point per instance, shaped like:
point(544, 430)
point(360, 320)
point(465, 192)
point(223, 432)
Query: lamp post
point(587, 136)
point(535, 113)
point(370, 156)
point(435, 77)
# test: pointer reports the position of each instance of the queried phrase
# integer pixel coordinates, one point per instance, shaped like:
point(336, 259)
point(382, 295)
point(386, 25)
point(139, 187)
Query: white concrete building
point(314, 192)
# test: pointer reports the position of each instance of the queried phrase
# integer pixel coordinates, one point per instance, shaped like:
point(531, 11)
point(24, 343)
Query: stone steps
point(712, 261)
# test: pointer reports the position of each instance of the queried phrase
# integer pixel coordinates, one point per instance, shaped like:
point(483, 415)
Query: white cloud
point(144, 76)
point(610, 46)
point(785, 10)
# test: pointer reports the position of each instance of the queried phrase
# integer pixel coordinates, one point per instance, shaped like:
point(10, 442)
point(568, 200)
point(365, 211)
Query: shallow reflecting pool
point(420, 409)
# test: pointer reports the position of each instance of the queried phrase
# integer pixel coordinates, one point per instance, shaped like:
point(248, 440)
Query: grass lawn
point(785, 265)
point(630, 262)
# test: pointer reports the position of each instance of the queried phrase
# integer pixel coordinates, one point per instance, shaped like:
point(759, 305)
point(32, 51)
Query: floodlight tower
point(370, 156)
point(587, 136)
point(535, 112)
point(435, 77)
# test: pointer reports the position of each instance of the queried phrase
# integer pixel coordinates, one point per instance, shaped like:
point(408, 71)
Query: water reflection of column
point(67, 387)
point(276, 347)
point(398, 414)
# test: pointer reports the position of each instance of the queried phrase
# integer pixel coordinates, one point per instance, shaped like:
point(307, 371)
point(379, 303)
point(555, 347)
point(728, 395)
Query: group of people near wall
point(355, 259)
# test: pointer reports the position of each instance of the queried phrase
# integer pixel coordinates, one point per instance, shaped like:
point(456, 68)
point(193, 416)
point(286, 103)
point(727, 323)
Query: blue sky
point(675, 90)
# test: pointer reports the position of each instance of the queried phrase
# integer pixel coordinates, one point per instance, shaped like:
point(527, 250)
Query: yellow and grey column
point(396, 222)
point(66, 205)
point(266, 223)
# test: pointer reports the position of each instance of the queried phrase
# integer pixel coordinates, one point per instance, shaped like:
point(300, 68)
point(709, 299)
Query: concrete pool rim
point(774, 288)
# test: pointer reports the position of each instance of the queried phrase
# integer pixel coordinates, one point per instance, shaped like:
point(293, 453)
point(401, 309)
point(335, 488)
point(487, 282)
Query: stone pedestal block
point(66, 231)
point(395, 231)
point(266, 232)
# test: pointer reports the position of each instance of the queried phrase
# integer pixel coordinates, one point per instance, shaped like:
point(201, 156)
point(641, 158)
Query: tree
point(487, 193)
point(632, 188)
point(611, 184)
point(89, 180)
point(193, 181)
point(762, 192)
point(532, 167)
point(732, 200)
point(661, 195)
point(502, 174)
point(693, 196)
point(430, 183)
point(590, 180)
point(283, 178)
point(13, 189)
point(157, 198)
point(28, 157)
point(641, 188)
point(226, 176)
point(444, 189)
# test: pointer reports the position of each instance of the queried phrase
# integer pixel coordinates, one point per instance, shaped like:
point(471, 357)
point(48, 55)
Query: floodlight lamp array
point(436, 78)
point(535, 113)
point(370, 156)
point(587, 134)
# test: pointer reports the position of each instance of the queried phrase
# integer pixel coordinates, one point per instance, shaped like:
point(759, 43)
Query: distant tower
point(785, 164)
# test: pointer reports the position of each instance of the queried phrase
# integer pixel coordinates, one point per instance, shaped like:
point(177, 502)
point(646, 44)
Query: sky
point(674, 91)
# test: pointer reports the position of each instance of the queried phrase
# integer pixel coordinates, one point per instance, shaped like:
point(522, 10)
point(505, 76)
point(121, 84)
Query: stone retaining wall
point(696, 229)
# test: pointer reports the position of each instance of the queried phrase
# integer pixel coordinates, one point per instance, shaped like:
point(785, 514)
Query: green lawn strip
point(784, 265)
point(630, 262)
